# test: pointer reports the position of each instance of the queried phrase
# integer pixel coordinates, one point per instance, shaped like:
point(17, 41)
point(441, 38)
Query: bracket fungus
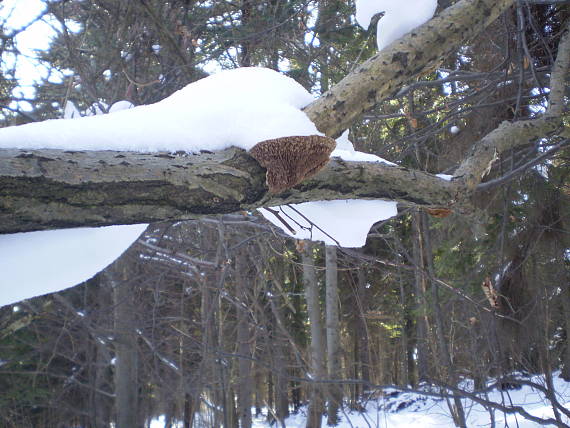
point(290, 160)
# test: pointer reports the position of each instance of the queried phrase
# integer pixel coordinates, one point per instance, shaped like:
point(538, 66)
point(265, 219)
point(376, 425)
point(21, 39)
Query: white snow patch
point(238, 107)
point(121, 105)
point(160, 422)
point(37, 263)
point(446, 177)
point(400, 17)
point(356, 156)
point(393, 409)
point(343, 143)
point(345, 150)
point(343, 223)
point(70, 111)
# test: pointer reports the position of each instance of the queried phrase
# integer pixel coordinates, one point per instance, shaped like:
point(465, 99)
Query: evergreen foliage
point(412, 304)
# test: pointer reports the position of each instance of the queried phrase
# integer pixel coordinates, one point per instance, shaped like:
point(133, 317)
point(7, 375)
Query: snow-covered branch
point(47, 189)
point(398, 64)
point(510, 135)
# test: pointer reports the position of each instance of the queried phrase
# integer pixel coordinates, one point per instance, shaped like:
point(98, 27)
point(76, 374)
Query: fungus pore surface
point(290, 160)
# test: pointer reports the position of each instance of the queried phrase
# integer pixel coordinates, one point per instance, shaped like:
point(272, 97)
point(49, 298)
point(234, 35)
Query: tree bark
point(245, 383)
point(280, 350)
point(420, 289)
point(317, 347)
point(335, 392)
point(126, 363)
point(362, 333)
point(47, 189)
point(408, 377)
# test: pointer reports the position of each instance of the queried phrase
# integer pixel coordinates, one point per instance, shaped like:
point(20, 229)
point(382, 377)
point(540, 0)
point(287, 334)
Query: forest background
point(221, 314)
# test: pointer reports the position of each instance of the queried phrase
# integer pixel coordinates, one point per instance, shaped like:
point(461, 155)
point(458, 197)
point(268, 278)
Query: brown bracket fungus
point(290, 160)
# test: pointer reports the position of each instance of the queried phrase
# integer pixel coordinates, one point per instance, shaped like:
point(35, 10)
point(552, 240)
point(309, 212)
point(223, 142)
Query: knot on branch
point(290, 160)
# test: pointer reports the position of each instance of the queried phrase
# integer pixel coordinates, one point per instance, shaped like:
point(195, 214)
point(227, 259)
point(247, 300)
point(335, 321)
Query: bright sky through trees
point(34, 32)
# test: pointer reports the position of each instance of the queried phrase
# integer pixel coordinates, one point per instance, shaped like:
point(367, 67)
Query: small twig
point(139, 84)
point(276, 214)
point(313, 224)
point(521, 169)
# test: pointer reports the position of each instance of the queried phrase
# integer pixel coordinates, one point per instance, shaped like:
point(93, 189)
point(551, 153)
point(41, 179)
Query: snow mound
point(238, 107)
point(391, 408)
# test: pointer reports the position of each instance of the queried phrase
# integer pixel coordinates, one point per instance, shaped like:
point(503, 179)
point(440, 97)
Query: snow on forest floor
point(407, 409)
point(396, 409)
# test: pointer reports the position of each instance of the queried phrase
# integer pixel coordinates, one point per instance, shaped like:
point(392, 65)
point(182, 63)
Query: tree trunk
point(426, 271)
point(420, 288)
point(188, 416)
point(245, 385)
point(407, 351)
point(364, 360)
point(270, 401)
point(100, 407)
point(333, 335)
point(98, 412)
point(317, 348)
point(565, 374)
point(279, 352)
point(207, 366)
point(126, 358)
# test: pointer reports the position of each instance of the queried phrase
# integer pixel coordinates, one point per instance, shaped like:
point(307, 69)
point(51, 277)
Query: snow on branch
point(418, 52)
point(46, 189)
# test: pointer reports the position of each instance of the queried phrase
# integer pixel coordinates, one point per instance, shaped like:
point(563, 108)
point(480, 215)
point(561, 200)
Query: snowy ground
point(397, 410)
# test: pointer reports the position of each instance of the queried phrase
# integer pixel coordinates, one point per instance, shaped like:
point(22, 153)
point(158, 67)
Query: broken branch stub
point(290, 160)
